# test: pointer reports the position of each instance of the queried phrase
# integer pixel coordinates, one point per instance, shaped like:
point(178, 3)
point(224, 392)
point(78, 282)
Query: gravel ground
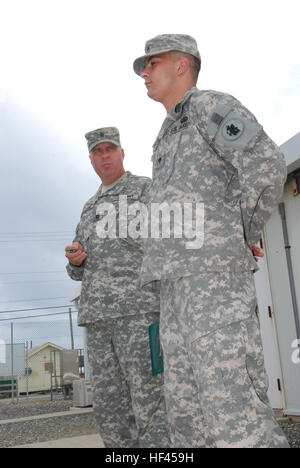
point(25, 409)
point(292, 432)
point(43, 430)
point(13, 434)
point(28, 432)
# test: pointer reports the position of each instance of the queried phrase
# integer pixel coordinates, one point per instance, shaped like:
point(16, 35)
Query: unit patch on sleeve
point(236, 131)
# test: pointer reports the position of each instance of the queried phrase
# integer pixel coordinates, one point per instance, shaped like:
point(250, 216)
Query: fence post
point(27, 370)
point(71, 328)
point(12, 362)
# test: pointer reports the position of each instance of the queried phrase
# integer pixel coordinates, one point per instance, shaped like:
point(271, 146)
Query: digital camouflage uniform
point(212, 151)
point(128, 400)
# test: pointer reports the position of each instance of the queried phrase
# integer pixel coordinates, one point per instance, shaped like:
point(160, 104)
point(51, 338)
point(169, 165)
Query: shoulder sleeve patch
point(231, 129)
point(236, 131)
point(218, 115)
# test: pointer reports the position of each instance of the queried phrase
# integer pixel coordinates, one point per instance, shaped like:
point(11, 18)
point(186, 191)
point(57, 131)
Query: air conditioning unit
point(82, 394)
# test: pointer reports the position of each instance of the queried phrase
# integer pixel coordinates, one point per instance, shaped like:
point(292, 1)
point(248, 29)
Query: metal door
point(281, 292)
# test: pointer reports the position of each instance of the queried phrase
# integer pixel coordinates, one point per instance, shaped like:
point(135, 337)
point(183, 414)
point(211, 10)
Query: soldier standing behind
point(128, 400)
point(210, 152)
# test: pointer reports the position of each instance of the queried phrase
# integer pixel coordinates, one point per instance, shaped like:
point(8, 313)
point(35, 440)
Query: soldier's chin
point(152, 95)
point(149, 94)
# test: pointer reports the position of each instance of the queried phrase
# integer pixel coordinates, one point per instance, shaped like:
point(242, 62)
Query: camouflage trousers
point(215, 379)
point(129, 403)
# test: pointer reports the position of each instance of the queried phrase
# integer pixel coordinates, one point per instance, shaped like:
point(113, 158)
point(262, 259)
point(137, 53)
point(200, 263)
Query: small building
point(278, 290)
point(38, 368)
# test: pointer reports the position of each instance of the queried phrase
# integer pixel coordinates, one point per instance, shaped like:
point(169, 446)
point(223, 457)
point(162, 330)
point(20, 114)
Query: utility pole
point(71, 328)
point(12, 361)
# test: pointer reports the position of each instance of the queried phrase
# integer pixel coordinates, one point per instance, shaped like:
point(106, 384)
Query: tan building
point(39, 369)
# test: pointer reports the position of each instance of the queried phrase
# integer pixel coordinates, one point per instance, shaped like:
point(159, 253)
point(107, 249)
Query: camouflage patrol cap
point(103, 135)
point(167, 43)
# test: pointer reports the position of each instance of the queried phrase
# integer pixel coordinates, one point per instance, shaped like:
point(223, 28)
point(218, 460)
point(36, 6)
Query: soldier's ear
point(183, 65)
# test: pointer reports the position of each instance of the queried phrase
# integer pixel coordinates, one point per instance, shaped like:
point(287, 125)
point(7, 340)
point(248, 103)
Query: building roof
point(291, 150)
point(37, 349)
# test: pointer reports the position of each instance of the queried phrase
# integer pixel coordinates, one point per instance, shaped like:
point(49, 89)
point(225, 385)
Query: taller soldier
point(210, 152)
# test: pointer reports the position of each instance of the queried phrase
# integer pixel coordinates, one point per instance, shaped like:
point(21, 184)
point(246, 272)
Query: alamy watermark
point(2, 352)
point(296, 353)
point(155, 221)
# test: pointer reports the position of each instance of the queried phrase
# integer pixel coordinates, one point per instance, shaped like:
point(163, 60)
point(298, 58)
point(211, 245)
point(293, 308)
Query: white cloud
point(292, 87)
point(71, 61)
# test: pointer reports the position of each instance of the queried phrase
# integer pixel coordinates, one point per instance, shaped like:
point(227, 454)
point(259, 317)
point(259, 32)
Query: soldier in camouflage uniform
point(128, 400)
point(210, 152)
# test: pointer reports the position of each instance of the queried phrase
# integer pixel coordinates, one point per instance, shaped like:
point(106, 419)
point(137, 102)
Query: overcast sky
point(66, 68)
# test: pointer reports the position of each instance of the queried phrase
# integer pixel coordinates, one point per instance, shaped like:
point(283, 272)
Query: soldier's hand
point(75, 254)
point(257, 252)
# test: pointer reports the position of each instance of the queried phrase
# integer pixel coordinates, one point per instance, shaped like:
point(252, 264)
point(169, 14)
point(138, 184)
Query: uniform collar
point(117, 188)
point(175, 114)
point(177, 110)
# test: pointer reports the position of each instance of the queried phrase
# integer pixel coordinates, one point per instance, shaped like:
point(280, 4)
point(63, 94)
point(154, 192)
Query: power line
point(38, 308)
point(31, 282)
point(34, 300)
point(50, 337)
point(12, 241)
point(32, 272)
point(36, 316)
point(27, 233)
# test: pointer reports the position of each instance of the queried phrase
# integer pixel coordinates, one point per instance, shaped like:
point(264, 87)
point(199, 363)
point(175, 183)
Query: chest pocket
point(88, 221)
point(89, 237)
point(168, 147)
point(164, 157)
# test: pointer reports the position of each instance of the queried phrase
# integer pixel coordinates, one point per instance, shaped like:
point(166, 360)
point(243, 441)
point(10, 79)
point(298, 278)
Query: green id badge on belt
point(155, 349)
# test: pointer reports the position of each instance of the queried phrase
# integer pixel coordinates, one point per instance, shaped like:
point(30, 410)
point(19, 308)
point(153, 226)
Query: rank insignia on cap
point(233, 129)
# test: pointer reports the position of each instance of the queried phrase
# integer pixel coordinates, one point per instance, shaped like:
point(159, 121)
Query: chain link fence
point(40, 356)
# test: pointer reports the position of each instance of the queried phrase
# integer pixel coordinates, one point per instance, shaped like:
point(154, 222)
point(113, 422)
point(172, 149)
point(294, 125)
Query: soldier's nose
point(144, 73)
